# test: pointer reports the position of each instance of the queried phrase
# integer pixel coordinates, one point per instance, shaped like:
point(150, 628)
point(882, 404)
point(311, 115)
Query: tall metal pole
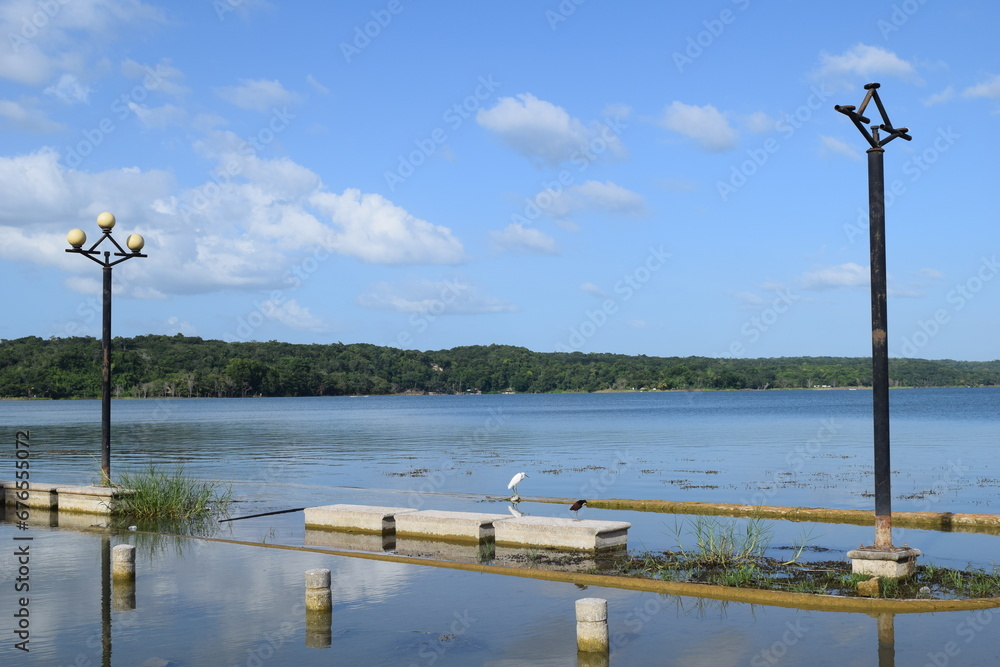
point(106, 376)
point(880, 349)
point(76, 238)
point(880, 339)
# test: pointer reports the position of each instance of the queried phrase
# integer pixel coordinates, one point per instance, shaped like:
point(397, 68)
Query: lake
point(810, 448)
point(206, 603)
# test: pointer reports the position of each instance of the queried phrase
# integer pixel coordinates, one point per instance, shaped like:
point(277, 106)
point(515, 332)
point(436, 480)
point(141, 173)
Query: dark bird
point(576, 507)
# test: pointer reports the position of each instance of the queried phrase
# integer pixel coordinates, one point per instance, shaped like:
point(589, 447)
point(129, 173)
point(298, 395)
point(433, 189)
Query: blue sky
point(638, 177)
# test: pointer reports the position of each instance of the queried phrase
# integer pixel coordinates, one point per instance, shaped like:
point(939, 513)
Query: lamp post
point(882, 553)
point(76, 238)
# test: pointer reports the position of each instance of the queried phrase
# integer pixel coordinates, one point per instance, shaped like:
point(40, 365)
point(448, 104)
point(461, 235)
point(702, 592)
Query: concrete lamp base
point(886, 562)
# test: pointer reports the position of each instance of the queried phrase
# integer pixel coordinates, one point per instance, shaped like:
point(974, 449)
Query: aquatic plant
point(826, 577)
point(720, 543)
point(159, 494)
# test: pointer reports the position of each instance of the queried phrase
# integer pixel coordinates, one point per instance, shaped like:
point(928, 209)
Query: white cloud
point(162, 77)
point(246, 231)
point(760, 123)
point(517, 239)
point(749, 299)
point(835, 146)
point(257, 95)
point(374, 230)
point(940, 98)
point(988, 88)
point(175, 325)
point(832, 277)
point(73, 39)
point(293, 314)
point(448, 297)
point(593, 290)
point(69, 90)
point(158, 117)
point(542, 131)
point(864, 62)
point(704, 124)
point(595, 196)
point(24, 115)
point(617, 111)
point(311, 80)
point(36, 190)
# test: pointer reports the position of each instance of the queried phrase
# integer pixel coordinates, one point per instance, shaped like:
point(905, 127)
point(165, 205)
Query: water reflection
point(105, 601)
point(886, 640)
point(208, 602)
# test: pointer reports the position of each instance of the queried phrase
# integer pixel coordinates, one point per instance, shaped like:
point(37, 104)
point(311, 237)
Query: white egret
point(515, 480)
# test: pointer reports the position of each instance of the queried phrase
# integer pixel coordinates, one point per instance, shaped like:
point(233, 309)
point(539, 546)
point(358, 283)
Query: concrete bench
point(442, 525)
point(41, 496)
point(84, 499)
point(355, 518)
point(557, 533)
point(88, 499)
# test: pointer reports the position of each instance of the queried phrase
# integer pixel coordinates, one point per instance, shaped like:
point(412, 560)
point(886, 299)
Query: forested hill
point(181, 366)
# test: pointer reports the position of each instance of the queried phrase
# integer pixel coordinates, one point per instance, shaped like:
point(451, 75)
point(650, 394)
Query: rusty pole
point(880, 348)
point(880, 339)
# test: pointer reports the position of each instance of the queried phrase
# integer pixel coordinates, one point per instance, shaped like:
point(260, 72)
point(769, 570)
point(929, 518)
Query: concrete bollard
point(123, 561)
point(318, 596)
point(319, 609)
point(592, 625)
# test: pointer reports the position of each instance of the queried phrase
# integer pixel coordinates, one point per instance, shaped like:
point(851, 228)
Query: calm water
point(809, 448)
point(212, 604)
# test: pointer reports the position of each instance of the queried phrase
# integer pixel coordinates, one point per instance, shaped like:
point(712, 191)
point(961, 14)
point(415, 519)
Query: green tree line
point(184, 366)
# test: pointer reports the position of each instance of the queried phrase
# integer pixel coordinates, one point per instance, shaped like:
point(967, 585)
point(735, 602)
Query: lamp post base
point(887, 562)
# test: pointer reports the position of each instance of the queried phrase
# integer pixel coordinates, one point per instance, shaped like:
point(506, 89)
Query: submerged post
point(123, 561)
point(880, 338)
point(123, 577)
point(319, 608)
point(592, 625)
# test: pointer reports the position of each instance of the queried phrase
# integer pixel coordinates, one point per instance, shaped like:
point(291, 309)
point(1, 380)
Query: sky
point(640, 178)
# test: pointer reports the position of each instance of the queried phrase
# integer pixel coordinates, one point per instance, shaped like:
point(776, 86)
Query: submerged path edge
point(941, 521)
point(806, 601)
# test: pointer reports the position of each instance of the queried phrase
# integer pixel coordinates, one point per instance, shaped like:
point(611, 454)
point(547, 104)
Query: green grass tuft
point(169, 495)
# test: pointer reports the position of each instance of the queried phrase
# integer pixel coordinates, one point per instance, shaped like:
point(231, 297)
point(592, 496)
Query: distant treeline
point(182, 366)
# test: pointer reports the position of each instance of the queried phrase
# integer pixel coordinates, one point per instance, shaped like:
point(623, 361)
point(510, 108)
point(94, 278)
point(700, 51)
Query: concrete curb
point(749, 595)
point(943, 521)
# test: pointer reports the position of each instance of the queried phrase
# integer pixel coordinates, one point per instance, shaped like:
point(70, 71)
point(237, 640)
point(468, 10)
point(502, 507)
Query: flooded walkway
point(200, 602)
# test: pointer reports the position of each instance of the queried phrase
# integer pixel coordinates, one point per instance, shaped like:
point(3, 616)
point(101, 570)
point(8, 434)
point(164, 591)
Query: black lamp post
point(880, 348)
point(76, 238)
